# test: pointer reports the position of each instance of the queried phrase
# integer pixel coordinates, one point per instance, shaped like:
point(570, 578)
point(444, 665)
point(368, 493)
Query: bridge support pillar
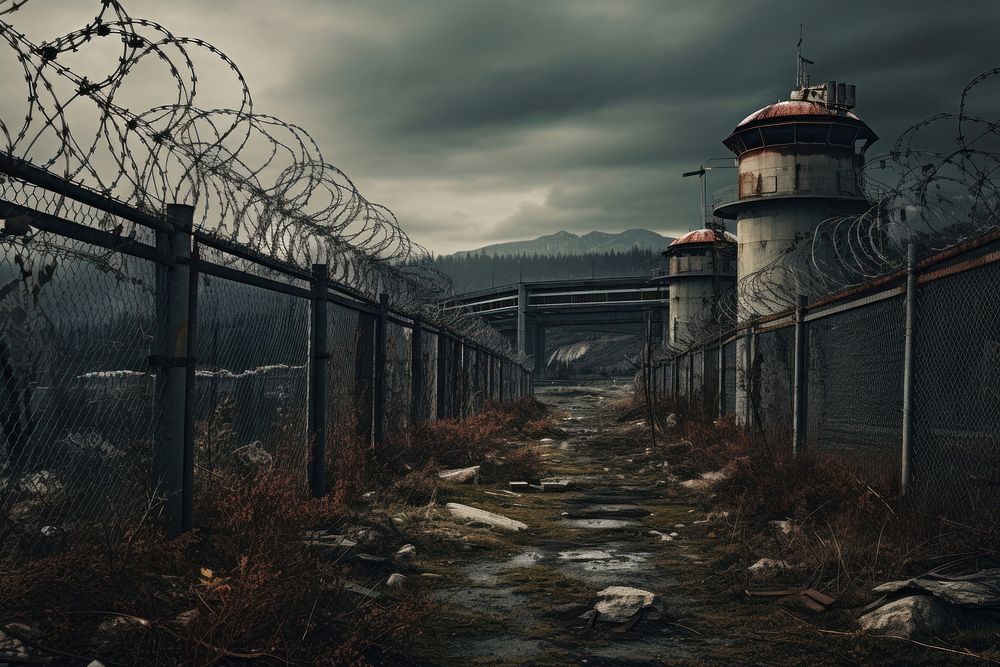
point(536, 343)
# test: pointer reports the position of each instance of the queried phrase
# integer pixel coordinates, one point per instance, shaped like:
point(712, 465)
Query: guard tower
point(701, 266)
point(800, 163)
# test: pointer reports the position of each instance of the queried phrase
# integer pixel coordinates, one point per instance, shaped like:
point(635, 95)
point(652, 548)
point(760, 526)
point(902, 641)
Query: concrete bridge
point(523, 311)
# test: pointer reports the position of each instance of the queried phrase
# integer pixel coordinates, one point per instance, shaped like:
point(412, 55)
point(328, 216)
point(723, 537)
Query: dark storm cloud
point(481, 120)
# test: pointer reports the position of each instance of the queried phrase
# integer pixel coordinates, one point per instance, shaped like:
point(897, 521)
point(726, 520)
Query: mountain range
point(568, 243)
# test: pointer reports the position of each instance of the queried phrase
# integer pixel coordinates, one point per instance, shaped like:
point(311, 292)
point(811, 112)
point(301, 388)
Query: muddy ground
point(520, 598)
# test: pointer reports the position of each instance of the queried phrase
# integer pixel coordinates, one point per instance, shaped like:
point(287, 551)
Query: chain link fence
point(850, 350)
point(956, 401)
point(105, 323)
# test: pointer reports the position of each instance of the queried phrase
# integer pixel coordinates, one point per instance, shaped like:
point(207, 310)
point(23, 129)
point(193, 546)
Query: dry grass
point(244, 586)
point(849, 535)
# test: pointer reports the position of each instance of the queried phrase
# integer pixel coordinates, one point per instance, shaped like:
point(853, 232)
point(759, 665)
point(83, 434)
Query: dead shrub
point(242, 586)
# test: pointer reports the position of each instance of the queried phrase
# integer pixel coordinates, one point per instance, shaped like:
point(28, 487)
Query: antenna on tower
point(801, 72)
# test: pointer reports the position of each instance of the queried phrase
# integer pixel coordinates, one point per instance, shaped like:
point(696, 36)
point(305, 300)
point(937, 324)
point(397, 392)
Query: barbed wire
point(255, 179)
point(937, 197)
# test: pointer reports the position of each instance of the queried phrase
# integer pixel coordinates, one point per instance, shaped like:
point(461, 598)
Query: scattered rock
point(254, 455)
point(431, 575)
point(406, 552)
point(909, 617)
point(184, 618)
point(671, 421)
point(324, 540)
point(619, 603)
point(476, 515)
point(980, 590)
point(674, 534)
point(95, 663)
point(397, 580)
point(704, 481)
point(585, 555)
point(767, 569)
point(663, 536)
point(11, 648)
point(460, 475)
point(43, 484)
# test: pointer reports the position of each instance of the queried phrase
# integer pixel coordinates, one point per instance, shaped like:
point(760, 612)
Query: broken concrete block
point(704, 481)
point(555, 485)
point(619, 603)
point(767, 569)
point(476, 515)
point(460, 475)
point(909, 617)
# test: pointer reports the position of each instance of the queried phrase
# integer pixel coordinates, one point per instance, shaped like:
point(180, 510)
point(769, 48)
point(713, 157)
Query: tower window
point(751, 139)
point(779, 134)
point(812, 134)
point(842, 135)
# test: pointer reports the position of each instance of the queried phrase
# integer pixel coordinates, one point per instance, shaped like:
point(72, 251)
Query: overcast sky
point(483, 121)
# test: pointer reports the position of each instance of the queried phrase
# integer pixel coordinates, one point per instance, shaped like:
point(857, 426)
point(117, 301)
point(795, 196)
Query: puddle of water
point(486, 573)
point(619, 563)
point(601, 524)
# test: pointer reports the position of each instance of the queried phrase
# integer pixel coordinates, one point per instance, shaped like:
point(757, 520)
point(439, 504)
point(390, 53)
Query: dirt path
point(517, 598)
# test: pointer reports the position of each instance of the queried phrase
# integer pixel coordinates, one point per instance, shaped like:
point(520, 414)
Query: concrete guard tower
point(800, 163)
point(701, 266)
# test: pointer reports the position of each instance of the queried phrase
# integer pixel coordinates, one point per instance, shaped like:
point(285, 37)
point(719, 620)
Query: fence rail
point(899, 378)
point(133, 365)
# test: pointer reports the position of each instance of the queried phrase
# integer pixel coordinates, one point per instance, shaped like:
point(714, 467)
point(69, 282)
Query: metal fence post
point(463, 368)
point(170, 456)
point(906, 458)
point(721, 397)
point(187, 511)
point(417, 370)
point(442, 352)
point(490, 376)
point(363, 369)
point(749, 375)
point(381, 325)
point(318, 356)
point(799, 379)
point(690, 395)
point(455, 394)
point(502, 364)
point(477, 378)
